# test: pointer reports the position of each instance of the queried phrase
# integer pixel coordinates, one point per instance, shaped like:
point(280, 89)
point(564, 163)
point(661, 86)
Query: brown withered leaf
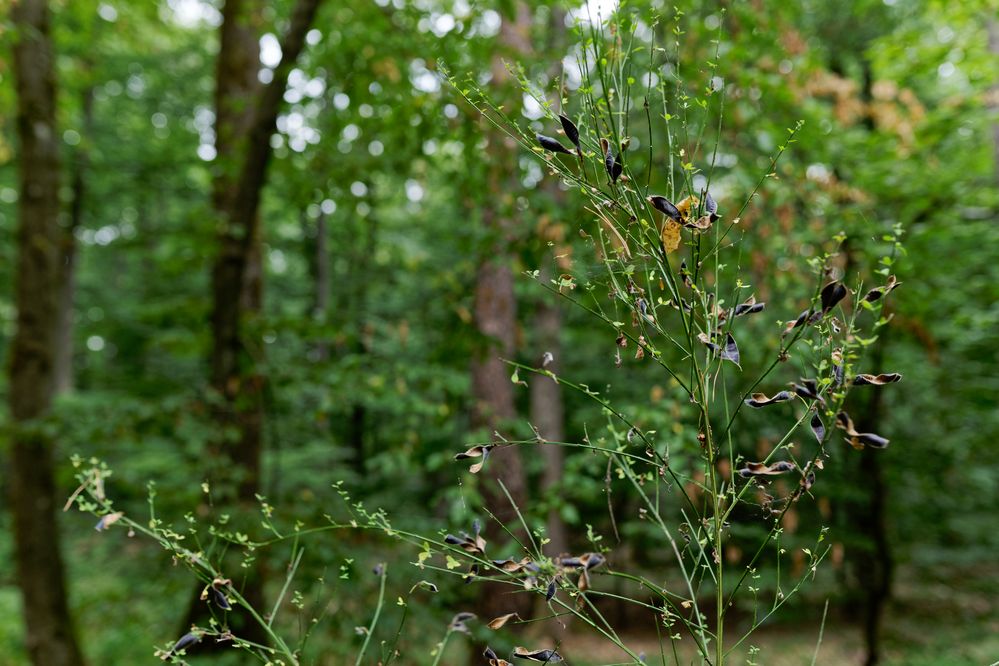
point(877, 380)
point(762, 469)
point(749, 306)
point(831, 294)
point(760, 400)
point(687, 206)
point(498, 622)
point(671, 235)
point(859, 440)
point(544, 656)
point(878, 292)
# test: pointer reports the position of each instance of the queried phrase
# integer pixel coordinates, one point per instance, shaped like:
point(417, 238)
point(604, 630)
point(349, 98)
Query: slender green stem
point(374, 620)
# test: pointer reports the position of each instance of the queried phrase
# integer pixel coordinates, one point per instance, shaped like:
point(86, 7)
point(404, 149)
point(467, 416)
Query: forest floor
point(938, 618)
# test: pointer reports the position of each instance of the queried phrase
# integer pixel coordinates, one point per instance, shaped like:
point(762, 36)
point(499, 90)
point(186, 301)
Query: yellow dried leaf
point(671, 235)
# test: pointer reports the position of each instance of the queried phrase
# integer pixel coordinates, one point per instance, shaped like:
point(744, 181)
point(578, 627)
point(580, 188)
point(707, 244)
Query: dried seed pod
point(480, 451)
point(570, 129)
point(613, 164)
point(750, 306)
point(877, 380)
point(762, 469)
point(665, 206)
point(186, 641)
point(544, 656)
point(831, 294)
point(710, 206)
point(818, 428)
point(459, 620)
point(759, 400)
point(552, 145)
point(878, 292)
point(859, 440)
point(499, 622)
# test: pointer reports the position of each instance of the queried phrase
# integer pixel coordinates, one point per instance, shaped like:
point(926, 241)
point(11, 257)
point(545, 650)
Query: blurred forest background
point(278, 228)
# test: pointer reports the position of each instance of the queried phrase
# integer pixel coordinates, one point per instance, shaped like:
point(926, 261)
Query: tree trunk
point(358, 426)
point(246, 115)
point(67, 253)
point(874, 562)
point(50, 638)
point(547, 413)
point(993, 28)
point(495, 315)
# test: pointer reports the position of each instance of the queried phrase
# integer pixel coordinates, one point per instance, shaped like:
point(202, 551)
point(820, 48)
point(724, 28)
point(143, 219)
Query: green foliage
point(895, 141)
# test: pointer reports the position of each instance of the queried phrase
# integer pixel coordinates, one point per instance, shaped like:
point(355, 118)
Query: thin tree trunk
point(358, 423)
point(246, 115)
point(321, 257)
point(548, 413)
point(67, 253)
point(993, 28)
point(50, 638)
point(874, 562)
point(495, 315)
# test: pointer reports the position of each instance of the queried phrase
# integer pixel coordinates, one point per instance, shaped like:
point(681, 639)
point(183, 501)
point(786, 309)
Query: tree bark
point(67, 252)
point(246, 116)
point(993, 29)
point(495, 315)
point(874, 562)
point(548, 413)
point(50, 638)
